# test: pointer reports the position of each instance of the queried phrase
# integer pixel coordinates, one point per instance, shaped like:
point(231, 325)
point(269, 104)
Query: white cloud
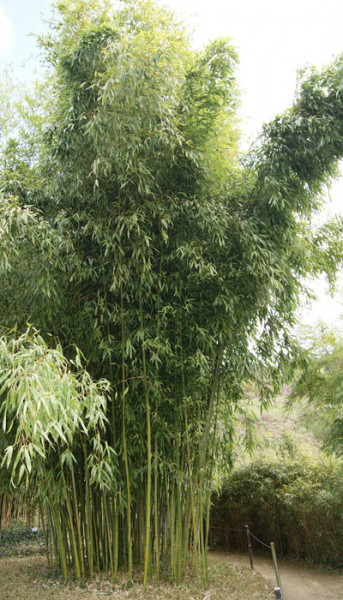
point(6, 38)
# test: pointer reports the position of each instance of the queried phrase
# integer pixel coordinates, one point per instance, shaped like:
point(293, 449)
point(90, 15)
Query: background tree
point(172, 262)
point(321, 386)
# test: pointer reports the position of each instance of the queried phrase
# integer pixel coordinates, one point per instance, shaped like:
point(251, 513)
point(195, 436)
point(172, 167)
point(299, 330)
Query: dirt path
point(299, 582)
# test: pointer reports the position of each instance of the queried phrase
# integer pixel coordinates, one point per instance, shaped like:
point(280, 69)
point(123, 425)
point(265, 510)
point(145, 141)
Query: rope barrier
point(259, 541)
point(277, 590)
point(225, 528)
point(240, 531)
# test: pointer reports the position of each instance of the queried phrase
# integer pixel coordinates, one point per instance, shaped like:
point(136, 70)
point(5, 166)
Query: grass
point(27, 578)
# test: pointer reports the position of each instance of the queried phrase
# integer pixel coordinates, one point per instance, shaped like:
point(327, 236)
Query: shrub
point(295, 502)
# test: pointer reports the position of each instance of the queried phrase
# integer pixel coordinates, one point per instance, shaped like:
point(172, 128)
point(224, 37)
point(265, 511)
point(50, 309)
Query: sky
point(274, 39)
point(18, 19)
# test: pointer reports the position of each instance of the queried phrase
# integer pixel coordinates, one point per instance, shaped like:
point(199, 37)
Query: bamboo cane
point(148, 485)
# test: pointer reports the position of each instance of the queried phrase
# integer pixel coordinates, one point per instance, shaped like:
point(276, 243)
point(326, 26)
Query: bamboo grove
point(147, 268)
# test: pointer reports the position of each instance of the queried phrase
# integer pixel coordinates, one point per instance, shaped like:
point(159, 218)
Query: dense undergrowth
point(297, 502)
point(17, 541)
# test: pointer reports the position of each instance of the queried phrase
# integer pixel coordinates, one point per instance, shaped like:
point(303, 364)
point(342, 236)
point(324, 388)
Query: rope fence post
point(279, 589)
point(249, 547)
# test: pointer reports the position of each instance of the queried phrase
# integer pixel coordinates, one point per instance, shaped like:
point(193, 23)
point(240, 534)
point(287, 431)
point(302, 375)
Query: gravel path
point(299, 582)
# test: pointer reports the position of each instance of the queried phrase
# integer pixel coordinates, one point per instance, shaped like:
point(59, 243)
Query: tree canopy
point(158, 267)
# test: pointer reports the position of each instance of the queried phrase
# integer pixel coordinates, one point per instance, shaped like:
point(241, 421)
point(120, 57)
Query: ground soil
point(299, 581)
point(27, 578)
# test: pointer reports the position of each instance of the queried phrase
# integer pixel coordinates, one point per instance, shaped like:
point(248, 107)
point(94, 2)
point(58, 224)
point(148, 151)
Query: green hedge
point(296, 503)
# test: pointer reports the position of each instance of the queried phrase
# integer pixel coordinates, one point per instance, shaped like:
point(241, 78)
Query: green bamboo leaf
point(21, 473)
point(27, 460)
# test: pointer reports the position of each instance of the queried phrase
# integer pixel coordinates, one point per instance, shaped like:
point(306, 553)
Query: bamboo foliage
point(170, 265)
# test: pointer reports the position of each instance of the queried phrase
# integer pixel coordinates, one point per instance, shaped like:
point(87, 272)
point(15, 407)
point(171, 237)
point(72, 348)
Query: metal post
point(249, 547)
point(272, 547)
